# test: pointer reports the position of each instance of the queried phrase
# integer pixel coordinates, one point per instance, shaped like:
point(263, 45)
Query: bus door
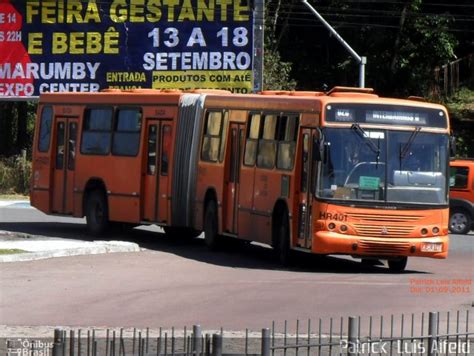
point(232, 180)
point(64, 165)
point(307, 186)
point(155, 193)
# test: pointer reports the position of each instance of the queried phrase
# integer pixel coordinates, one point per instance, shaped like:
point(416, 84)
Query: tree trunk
point(396, 47)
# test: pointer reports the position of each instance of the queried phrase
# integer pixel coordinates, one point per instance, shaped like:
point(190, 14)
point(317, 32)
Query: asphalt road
point(177, 283)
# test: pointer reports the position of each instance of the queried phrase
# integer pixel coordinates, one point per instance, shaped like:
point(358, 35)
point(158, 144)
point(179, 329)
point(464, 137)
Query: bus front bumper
point(327, 242)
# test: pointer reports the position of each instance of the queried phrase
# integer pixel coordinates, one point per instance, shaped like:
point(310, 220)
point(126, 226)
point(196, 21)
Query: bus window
point(60, 146)
point(45, 129)
point(97, 131)
point(223, 136)
point(267, 145)
point(71, 160)
point(211, 139)
point(252, 140)
point(151, 164)
point(165, 149)
point(304, 177)
point(126, 139)
point(288, 131)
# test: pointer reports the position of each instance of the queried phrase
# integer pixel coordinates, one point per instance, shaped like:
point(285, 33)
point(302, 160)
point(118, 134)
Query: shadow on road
point(235, 253)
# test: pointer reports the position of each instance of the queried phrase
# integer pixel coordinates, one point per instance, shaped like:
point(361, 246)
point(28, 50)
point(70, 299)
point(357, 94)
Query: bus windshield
point(384, 166)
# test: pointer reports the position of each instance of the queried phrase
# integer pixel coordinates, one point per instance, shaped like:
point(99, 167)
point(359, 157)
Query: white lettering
point(196, 38)
point(68, 87)
point(196, 61)
point(48, 71)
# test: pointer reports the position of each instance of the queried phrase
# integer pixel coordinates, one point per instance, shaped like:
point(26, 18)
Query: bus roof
point(307, 100)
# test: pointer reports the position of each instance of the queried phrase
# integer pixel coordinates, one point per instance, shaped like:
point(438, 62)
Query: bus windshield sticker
point(369, 183)
point(376, 135)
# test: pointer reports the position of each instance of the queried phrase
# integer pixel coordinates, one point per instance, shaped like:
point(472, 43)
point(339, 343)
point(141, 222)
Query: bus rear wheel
point(211, 236)
point(398, 265)
point(97, 213)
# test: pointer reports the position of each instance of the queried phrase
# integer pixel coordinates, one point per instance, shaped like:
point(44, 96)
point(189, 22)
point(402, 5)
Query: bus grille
point(383, 248)
point(384, 217)
point(383, 230)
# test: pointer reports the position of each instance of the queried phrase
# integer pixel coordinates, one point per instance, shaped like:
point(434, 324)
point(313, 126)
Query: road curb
point(99, 247)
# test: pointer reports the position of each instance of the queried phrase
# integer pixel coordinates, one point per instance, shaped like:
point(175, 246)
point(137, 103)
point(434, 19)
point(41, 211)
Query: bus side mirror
point(452, 147)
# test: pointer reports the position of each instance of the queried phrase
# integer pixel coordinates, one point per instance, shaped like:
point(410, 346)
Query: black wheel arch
point(462, 204)
point(280, 209)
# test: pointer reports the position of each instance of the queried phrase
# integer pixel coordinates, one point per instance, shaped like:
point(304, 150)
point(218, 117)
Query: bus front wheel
point(398, 265)
point(459, 221)
point(211, 236)
point(97, 214)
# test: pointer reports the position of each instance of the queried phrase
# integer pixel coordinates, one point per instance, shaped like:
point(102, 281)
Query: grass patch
point(14, 197)
point(11, 251)
point(15, 174)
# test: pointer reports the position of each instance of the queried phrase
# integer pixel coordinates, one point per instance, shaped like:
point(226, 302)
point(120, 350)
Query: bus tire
point(97, 213)
point(282, 243)
point(211, 236)
point(398, 265)
point(459, 221)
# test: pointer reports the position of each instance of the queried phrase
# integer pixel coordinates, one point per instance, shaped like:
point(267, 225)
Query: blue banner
point(77, 45)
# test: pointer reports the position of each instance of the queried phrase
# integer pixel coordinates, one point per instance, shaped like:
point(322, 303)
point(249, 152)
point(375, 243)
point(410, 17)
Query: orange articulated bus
point(344, 172)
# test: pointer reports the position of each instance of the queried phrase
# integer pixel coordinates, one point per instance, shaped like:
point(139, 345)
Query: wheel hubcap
point(458, 222)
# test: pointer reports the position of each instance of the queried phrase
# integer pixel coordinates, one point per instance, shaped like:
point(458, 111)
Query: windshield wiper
point(365, 137)
point(360, 131)
point(406, 148)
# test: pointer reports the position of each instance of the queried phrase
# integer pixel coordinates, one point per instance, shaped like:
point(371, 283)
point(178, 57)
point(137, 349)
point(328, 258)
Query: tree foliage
point(276, 71)
point(403, 41)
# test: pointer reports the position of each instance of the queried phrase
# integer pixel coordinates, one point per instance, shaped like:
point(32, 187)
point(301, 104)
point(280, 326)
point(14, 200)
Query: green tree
point(276, 72)
point(403, 40)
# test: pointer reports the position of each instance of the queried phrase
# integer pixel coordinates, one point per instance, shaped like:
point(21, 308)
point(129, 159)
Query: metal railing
point(432, 334)
point(449, 77)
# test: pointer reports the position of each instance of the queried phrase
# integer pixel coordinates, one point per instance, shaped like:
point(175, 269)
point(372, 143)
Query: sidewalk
point(17, 247)
point(15, 204)
point(39, 247)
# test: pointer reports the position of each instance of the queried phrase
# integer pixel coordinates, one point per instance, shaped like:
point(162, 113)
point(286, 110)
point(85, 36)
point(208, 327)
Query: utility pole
point(258, 40)
point(360, 59)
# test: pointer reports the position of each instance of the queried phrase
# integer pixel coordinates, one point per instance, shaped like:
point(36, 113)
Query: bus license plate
point(432, 247)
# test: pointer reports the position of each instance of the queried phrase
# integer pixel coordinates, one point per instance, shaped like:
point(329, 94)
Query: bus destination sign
point(386, 115)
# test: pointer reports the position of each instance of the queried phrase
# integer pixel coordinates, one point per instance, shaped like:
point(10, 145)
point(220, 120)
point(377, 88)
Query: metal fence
point(432, 334)
point(449, 77)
